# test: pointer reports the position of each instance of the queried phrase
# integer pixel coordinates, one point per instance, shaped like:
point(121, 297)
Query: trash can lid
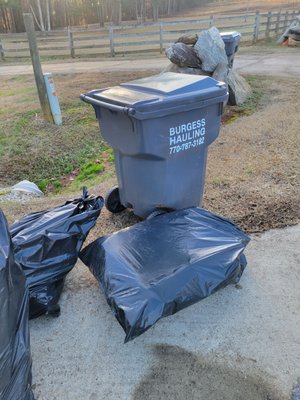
point(163, 94)
point(230, 35)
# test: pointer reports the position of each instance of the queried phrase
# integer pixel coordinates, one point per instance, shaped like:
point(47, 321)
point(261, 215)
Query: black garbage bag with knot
point(15, 357)
point(47, 244)
point(162, 265)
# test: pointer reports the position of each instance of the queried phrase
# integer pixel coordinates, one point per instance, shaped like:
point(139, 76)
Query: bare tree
point(41, 19)
point(48, 16)
point(155, 10)
point(51, 14)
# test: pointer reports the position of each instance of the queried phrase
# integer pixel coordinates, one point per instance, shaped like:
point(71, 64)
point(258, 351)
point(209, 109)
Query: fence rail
point(141, 38)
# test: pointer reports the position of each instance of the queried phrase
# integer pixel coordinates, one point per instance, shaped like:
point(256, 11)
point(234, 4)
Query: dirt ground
point(252, 171)
point(214, 349)
point(261, 59)
point(239, 7)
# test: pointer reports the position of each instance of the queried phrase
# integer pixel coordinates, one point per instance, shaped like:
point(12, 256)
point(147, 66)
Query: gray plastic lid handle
point(113, 107)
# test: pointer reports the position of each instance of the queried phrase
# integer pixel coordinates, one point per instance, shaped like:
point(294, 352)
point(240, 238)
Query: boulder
point(184, 70)
point(221, 72)
point(239, 89)
point(210, 49)
point(182, 55)
point(188, 38)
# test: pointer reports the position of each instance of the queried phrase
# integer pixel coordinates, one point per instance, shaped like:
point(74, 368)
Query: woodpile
point(205, 55)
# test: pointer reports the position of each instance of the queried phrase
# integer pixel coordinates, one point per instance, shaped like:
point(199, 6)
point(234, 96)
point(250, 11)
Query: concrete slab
point(241, 343)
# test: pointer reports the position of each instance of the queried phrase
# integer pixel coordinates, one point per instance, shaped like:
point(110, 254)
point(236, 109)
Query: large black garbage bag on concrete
point(47, 245)
point(165, 264)
point(15, 358)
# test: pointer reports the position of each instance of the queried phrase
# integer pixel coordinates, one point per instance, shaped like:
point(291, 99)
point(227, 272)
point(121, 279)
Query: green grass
point(253, 101)
point(89, 171)
point(251, 104)
point(90, 181)
point(57, 186)
point(32, 149)
point(4, 192)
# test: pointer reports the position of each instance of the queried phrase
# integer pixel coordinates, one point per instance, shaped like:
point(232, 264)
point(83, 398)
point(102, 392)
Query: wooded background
point(52, 14)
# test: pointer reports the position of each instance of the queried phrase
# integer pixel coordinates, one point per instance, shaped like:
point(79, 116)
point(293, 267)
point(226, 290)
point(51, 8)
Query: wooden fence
point(141, 38)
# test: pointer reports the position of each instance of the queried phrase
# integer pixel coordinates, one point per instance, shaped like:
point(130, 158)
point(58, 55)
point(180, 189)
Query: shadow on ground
point(179, 375)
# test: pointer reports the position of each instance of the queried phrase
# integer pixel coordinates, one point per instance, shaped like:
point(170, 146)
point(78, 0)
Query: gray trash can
point(160, 128)
point(232, 41)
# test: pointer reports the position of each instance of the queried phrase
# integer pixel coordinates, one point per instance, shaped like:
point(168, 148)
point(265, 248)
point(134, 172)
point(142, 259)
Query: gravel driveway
point(278, 62)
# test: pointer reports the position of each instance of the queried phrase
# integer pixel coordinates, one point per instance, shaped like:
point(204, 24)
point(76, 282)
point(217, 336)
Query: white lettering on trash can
point(187, 136)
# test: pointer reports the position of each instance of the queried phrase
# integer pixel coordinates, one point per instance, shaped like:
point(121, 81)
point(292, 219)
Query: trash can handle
point(113, 107)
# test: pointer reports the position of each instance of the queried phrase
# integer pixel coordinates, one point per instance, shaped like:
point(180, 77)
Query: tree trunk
point(143, 10)
point(4, 19)
point(101, 14)
point(117, 12)
point(119, 4)
point(67, 14)
point(155, 10)
point(137, 10)
point(169, 7)
point(48, 16)
point(41, 20)
point(35, 18)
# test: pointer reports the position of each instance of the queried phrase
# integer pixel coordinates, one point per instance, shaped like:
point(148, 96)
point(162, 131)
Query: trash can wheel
point(112, 201)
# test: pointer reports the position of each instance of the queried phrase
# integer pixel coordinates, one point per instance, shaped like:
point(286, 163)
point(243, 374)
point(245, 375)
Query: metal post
point(161, 40)
point(53, 99)
point(37, 68)
point(111, 41)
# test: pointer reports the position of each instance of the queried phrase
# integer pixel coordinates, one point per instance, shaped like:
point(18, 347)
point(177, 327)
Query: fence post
point(277, 21)
point(111, 41)
point(211, 21)
point(71, 43)
point(268, 24)
point(161, 40)
point(2, 52)
point(293, 15)
point(286, 19)
point(256, 27)
point(37, 68)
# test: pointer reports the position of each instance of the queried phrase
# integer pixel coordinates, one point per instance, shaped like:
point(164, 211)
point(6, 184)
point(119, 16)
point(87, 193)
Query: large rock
point(221, 72)
point(210, 49)
point(188, 38)
point(239, 89)
point(182, 55)
point(184, 70)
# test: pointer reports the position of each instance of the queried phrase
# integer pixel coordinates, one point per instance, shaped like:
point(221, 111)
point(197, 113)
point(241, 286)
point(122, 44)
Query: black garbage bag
point(15, 357)
point(47, 244)
point(162, 265)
